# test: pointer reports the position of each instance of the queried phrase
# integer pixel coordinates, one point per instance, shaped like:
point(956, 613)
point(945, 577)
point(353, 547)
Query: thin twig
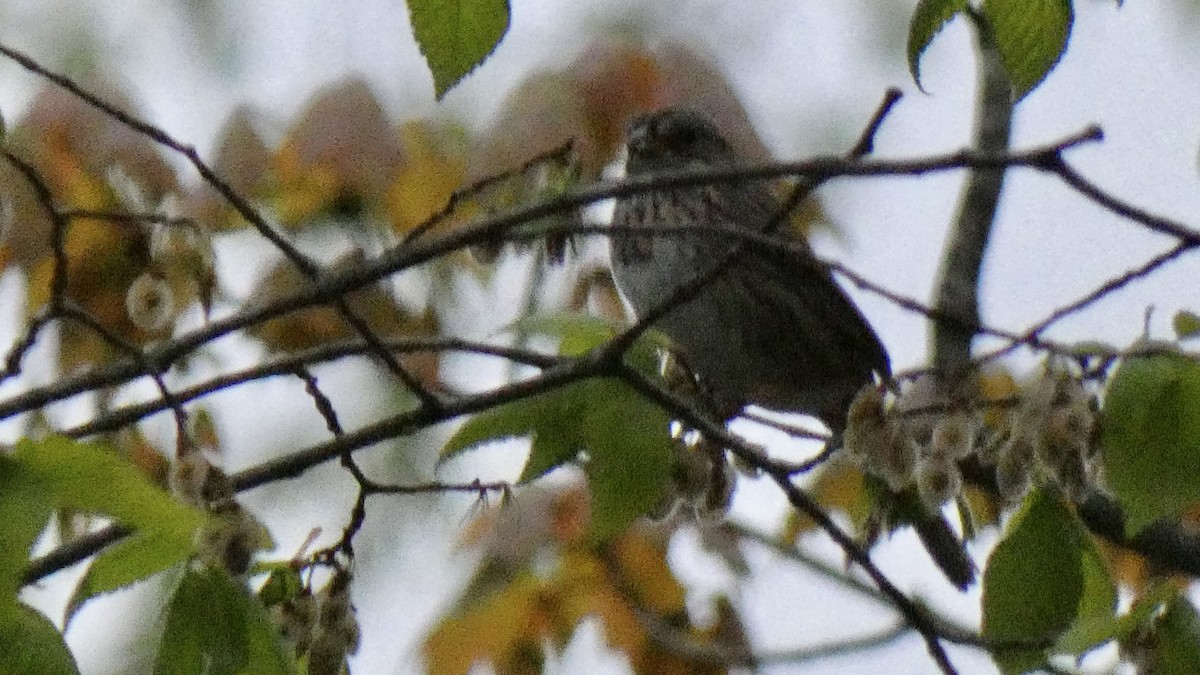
point(58, 275)
point(800, 500)
point(75, 313)
point(80, 549)
point(1090, 298)
point(286, 365)
point(1061, 168)
point(129, 218)
point(484, 183)
point(239, 203)
point(306, 265)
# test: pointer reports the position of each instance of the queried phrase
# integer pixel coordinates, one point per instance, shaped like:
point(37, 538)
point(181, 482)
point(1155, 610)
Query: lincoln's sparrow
point(773, 328)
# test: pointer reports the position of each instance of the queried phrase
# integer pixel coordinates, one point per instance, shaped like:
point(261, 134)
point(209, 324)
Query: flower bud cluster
point(321, 625)
point(1044, 438)
point(921, 449)
point(150, 302)
point(180, 257)
point(1049, 440)
point(702, 481)
point(232, 536)
point(335, 633)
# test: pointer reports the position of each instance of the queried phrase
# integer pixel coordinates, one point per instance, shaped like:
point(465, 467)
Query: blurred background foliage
point(324, 117)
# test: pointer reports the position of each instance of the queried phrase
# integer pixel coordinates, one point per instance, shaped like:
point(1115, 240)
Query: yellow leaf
point(839, 487)
point(339, 157)
point(434, 169)
point(491, 631)
point(587, 590)
point(324, 324)
point(643, 562)
point(303, 191)
point(985, 509)
point(995, 386)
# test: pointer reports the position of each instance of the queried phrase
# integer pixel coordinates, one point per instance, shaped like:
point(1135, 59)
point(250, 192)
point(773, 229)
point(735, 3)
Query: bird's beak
point(639, 137)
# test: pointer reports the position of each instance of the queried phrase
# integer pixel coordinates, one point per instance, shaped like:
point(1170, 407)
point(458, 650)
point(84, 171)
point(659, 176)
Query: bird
point(772, 328)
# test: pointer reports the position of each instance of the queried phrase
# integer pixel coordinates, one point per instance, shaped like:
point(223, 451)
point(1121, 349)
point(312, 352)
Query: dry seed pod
point(1013, 468)
point(337, 628)
point(953, 437)
point(188, 477)
point(938, 480)
point(924, 393)
point(326, 654)
point(898, 461)
point(1070, 424)
point(1071, 472)
point(197, 482)
point(150, 303)
point(868, 428)
point(231, 539)
point(296, 618)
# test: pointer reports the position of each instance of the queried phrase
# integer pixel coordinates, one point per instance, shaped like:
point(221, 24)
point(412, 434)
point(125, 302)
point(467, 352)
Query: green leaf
point(1031, 36)
point(581, 333)
point(56, 473)
point(215, 627)
point(625, 436)
point(546, 419)
point(1186, 324)
point(93, 479)
point(25, 507)
point(284, 582)
point(32, 644)
point(556, 431)
point(1150, 437)
point(1174, 647)
point(1095, 630)
point(577, 333)
point(629, 445)
point(928, 20)
point(1042, 576)
point(455, 36)
point(1099, 596)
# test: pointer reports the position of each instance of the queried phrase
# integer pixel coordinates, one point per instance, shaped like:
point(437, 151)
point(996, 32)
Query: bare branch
point(333, 285)
point(306, 265)
point(239, 203)
point(1088, 299)
point(286, 365)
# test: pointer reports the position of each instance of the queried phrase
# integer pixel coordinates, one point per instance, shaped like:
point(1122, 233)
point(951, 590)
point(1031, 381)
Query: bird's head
point(674, 138)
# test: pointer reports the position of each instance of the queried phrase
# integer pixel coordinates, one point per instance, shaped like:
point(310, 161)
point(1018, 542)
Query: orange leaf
point(643, 562)
point(587, 589)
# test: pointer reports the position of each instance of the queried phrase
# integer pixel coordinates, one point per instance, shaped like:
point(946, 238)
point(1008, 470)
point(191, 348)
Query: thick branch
point(957, 295)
